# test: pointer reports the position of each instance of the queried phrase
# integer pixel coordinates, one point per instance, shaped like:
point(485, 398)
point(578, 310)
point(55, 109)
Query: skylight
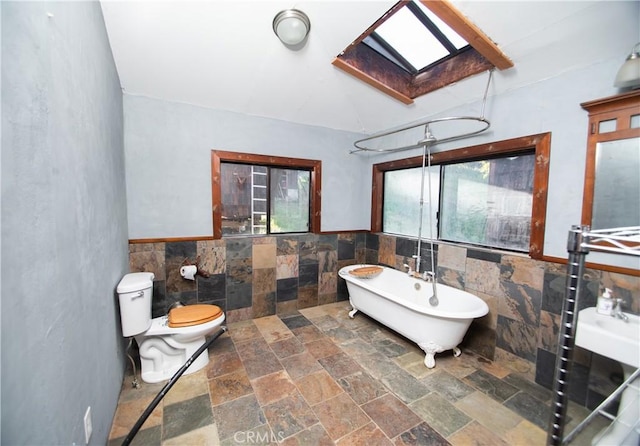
point(417, 36)
point(419, 46)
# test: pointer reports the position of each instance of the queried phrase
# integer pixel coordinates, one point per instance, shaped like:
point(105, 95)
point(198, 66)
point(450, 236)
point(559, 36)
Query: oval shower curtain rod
point(427, 140)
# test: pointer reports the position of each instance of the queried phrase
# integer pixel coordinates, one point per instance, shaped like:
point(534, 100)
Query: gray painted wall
point(168, 157)
point(167, 146)
point(64, 223)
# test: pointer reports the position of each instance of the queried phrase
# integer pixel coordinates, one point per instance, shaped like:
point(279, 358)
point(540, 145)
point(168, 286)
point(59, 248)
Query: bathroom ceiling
point(223, 54)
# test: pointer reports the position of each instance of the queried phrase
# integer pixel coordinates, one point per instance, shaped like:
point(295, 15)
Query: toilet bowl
point(164, 348)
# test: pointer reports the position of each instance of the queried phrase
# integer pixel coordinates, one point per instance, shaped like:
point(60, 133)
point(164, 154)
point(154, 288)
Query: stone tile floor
point(321, 378)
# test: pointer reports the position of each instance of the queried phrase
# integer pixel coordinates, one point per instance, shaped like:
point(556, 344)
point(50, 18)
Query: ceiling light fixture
point(629, 73)
point(291, 26)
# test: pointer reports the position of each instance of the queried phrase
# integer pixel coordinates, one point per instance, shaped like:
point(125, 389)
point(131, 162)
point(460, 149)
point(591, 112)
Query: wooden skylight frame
point(366, 64)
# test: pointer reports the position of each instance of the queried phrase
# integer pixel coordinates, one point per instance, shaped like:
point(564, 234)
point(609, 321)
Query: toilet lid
point(193, 315)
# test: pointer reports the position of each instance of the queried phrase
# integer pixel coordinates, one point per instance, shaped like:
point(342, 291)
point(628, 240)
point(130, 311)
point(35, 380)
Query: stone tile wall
point(260, 276)
point(250, 277)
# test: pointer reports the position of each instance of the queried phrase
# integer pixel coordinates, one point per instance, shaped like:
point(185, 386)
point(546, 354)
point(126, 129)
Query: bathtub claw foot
point(430, 360)
point(353, 312)
point(456, 352)
point(430, 348)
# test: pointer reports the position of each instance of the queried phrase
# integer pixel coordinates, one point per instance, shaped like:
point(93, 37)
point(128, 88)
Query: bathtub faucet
point(409, 270)
point(428, 276)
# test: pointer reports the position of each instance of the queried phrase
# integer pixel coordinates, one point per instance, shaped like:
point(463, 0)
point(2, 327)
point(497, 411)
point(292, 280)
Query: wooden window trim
point(391, 81)
point(541, 143)
point(220, 156)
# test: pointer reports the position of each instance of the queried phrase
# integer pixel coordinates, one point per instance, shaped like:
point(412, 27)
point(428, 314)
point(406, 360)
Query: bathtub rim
point(481, 311)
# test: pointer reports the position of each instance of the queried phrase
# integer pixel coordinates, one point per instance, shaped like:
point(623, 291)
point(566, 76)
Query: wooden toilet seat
point(193, 315)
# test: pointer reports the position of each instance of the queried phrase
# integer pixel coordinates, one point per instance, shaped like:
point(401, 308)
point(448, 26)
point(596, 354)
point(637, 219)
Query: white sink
point(609, 336)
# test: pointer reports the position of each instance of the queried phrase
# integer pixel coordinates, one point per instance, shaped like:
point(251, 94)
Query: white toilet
point(164, 348)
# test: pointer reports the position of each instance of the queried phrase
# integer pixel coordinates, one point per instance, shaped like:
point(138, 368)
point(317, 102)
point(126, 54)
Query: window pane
point(607, 126)
point(453, 36)
point(235, 185)
point(376, 46)
point(289, 200)
point(401, 202)
point(489, 202)
point(412, 39)
point(260, 206)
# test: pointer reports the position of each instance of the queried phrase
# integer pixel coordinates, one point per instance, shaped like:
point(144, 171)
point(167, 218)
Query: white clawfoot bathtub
point(401, 303)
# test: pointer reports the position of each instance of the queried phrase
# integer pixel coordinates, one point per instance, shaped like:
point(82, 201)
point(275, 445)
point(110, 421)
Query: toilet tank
point(134, 293)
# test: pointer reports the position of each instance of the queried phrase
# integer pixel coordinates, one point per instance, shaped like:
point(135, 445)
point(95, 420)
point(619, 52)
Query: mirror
point(612, 182)
point(616, 189)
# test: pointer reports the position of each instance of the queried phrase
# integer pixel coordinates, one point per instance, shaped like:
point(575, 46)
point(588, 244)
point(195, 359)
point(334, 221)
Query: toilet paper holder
point(189, 269)
point(188, 272)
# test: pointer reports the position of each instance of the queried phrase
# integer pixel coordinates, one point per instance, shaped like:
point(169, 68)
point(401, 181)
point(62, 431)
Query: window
point(488, 202)
point(417, 47)
point(491, 195)
point(256, 194)
point(414, 38)
point(401, 213)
